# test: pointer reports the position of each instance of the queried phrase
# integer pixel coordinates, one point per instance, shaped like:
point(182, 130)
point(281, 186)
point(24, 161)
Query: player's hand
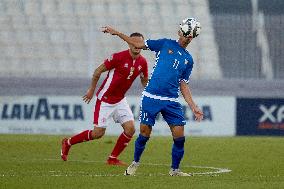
point(197, 113)
point(88, 96)
point(107, 29)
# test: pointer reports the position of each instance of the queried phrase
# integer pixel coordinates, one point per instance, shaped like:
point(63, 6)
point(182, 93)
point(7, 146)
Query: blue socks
point(177, 152)
point(139, 147)
point(177, 149)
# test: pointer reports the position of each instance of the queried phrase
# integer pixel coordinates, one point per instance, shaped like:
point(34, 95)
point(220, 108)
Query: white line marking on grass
point(59, 173)
point(215, 170)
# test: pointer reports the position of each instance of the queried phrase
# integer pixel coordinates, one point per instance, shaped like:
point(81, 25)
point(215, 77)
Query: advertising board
point(260, 116)
point(69, 114)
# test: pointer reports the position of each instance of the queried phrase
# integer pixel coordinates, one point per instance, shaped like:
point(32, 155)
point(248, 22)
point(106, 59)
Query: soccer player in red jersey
point(123, 67)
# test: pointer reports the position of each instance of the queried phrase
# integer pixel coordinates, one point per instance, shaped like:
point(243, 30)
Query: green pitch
point(33, 161)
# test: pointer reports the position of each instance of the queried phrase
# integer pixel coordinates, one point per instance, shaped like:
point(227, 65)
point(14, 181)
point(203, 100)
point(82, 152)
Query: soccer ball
point(190, 27)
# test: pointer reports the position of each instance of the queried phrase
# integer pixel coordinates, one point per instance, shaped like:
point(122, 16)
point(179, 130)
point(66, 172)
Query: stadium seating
point(238, 51)
point(274, 15)
point(60, 38)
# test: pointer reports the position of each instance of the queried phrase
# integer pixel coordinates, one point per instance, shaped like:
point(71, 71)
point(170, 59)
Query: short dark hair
point(136, 34)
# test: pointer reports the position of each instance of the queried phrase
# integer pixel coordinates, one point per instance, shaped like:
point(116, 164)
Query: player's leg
point(178, 145)
point(140, 143)
point(101, 116)
point(66, 142)
point(177, 150)
point(142, 139)
point(174, 117)
point(121, 143)
point(124, 116)
point(84, 136)
point(148, 111)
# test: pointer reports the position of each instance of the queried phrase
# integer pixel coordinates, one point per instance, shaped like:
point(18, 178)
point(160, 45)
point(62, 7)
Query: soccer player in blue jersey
point(170, 75)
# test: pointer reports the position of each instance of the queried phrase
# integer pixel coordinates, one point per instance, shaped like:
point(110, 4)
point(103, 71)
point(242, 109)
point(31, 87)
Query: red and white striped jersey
point(123, 70)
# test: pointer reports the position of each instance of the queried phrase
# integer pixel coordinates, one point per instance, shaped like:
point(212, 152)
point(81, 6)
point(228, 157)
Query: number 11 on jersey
point(176, 63)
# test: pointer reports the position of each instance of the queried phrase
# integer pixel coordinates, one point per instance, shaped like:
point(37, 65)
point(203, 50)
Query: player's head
point(136, 36)
point(189, 29)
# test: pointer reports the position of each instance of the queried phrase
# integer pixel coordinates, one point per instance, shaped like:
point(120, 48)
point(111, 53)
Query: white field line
point(215, 170)
point(57, 173)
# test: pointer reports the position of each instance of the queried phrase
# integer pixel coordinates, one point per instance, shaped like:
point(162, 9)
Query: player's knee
point(129, 128)
point(129, 131)
point(177, 131)
point(98, 133)
point(145, 130)
point(145, 133)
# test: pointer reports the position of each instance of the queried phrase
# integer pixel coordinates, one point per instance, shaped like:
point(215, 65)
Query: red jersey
point(123, 70)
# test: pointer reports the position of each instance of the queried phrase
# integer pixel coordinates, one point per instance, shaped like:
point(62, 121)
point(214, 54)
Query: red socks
point(81, 137)
point(121, 143)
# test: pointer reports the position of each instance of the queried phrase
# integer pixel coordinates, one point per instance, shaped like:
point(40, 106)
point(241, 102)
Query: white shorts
point(119, 112)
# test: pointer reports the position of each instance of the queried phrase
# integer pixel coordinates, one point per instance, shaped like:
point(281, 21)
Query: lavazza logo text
point(42, 110)
point(272, 117)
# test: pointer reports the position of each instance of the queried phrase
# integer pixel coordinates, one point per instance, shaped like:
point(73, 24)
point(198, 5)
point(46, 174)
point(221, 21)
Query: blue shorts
point(171, 111)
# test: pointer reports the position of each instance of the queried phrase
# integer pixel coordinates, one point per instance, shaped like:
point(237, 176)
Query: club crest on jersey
point(185, 61)
point(126, 65)
point(139, 67)
point(171, 51)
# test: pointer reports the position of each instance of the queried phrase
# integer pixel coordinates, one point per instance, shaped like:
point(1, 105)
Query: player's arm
point(96, 76)
point(136, 43)
point(144, 74)
point(186, 93)
point(144, 80)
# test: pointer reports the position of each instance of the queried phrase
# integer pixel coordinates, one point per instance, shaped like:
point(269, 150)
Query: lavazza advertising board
point(69, 115)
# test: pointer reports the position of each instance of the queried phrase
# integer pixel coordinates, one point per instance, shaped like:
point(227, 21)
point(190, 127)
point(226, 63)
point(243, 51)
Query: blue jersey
point(173, 65)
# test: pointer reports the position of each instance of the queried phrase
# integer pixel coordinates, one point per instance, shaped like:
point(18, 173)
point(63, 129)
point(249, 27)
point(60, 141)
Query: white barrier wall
point(69, 115)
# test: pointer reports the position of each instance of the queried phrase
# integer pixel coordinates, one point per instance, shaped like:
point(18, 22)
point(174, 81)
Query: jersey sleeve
point(187, 71)
point(155, 45)
point(111, 62)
